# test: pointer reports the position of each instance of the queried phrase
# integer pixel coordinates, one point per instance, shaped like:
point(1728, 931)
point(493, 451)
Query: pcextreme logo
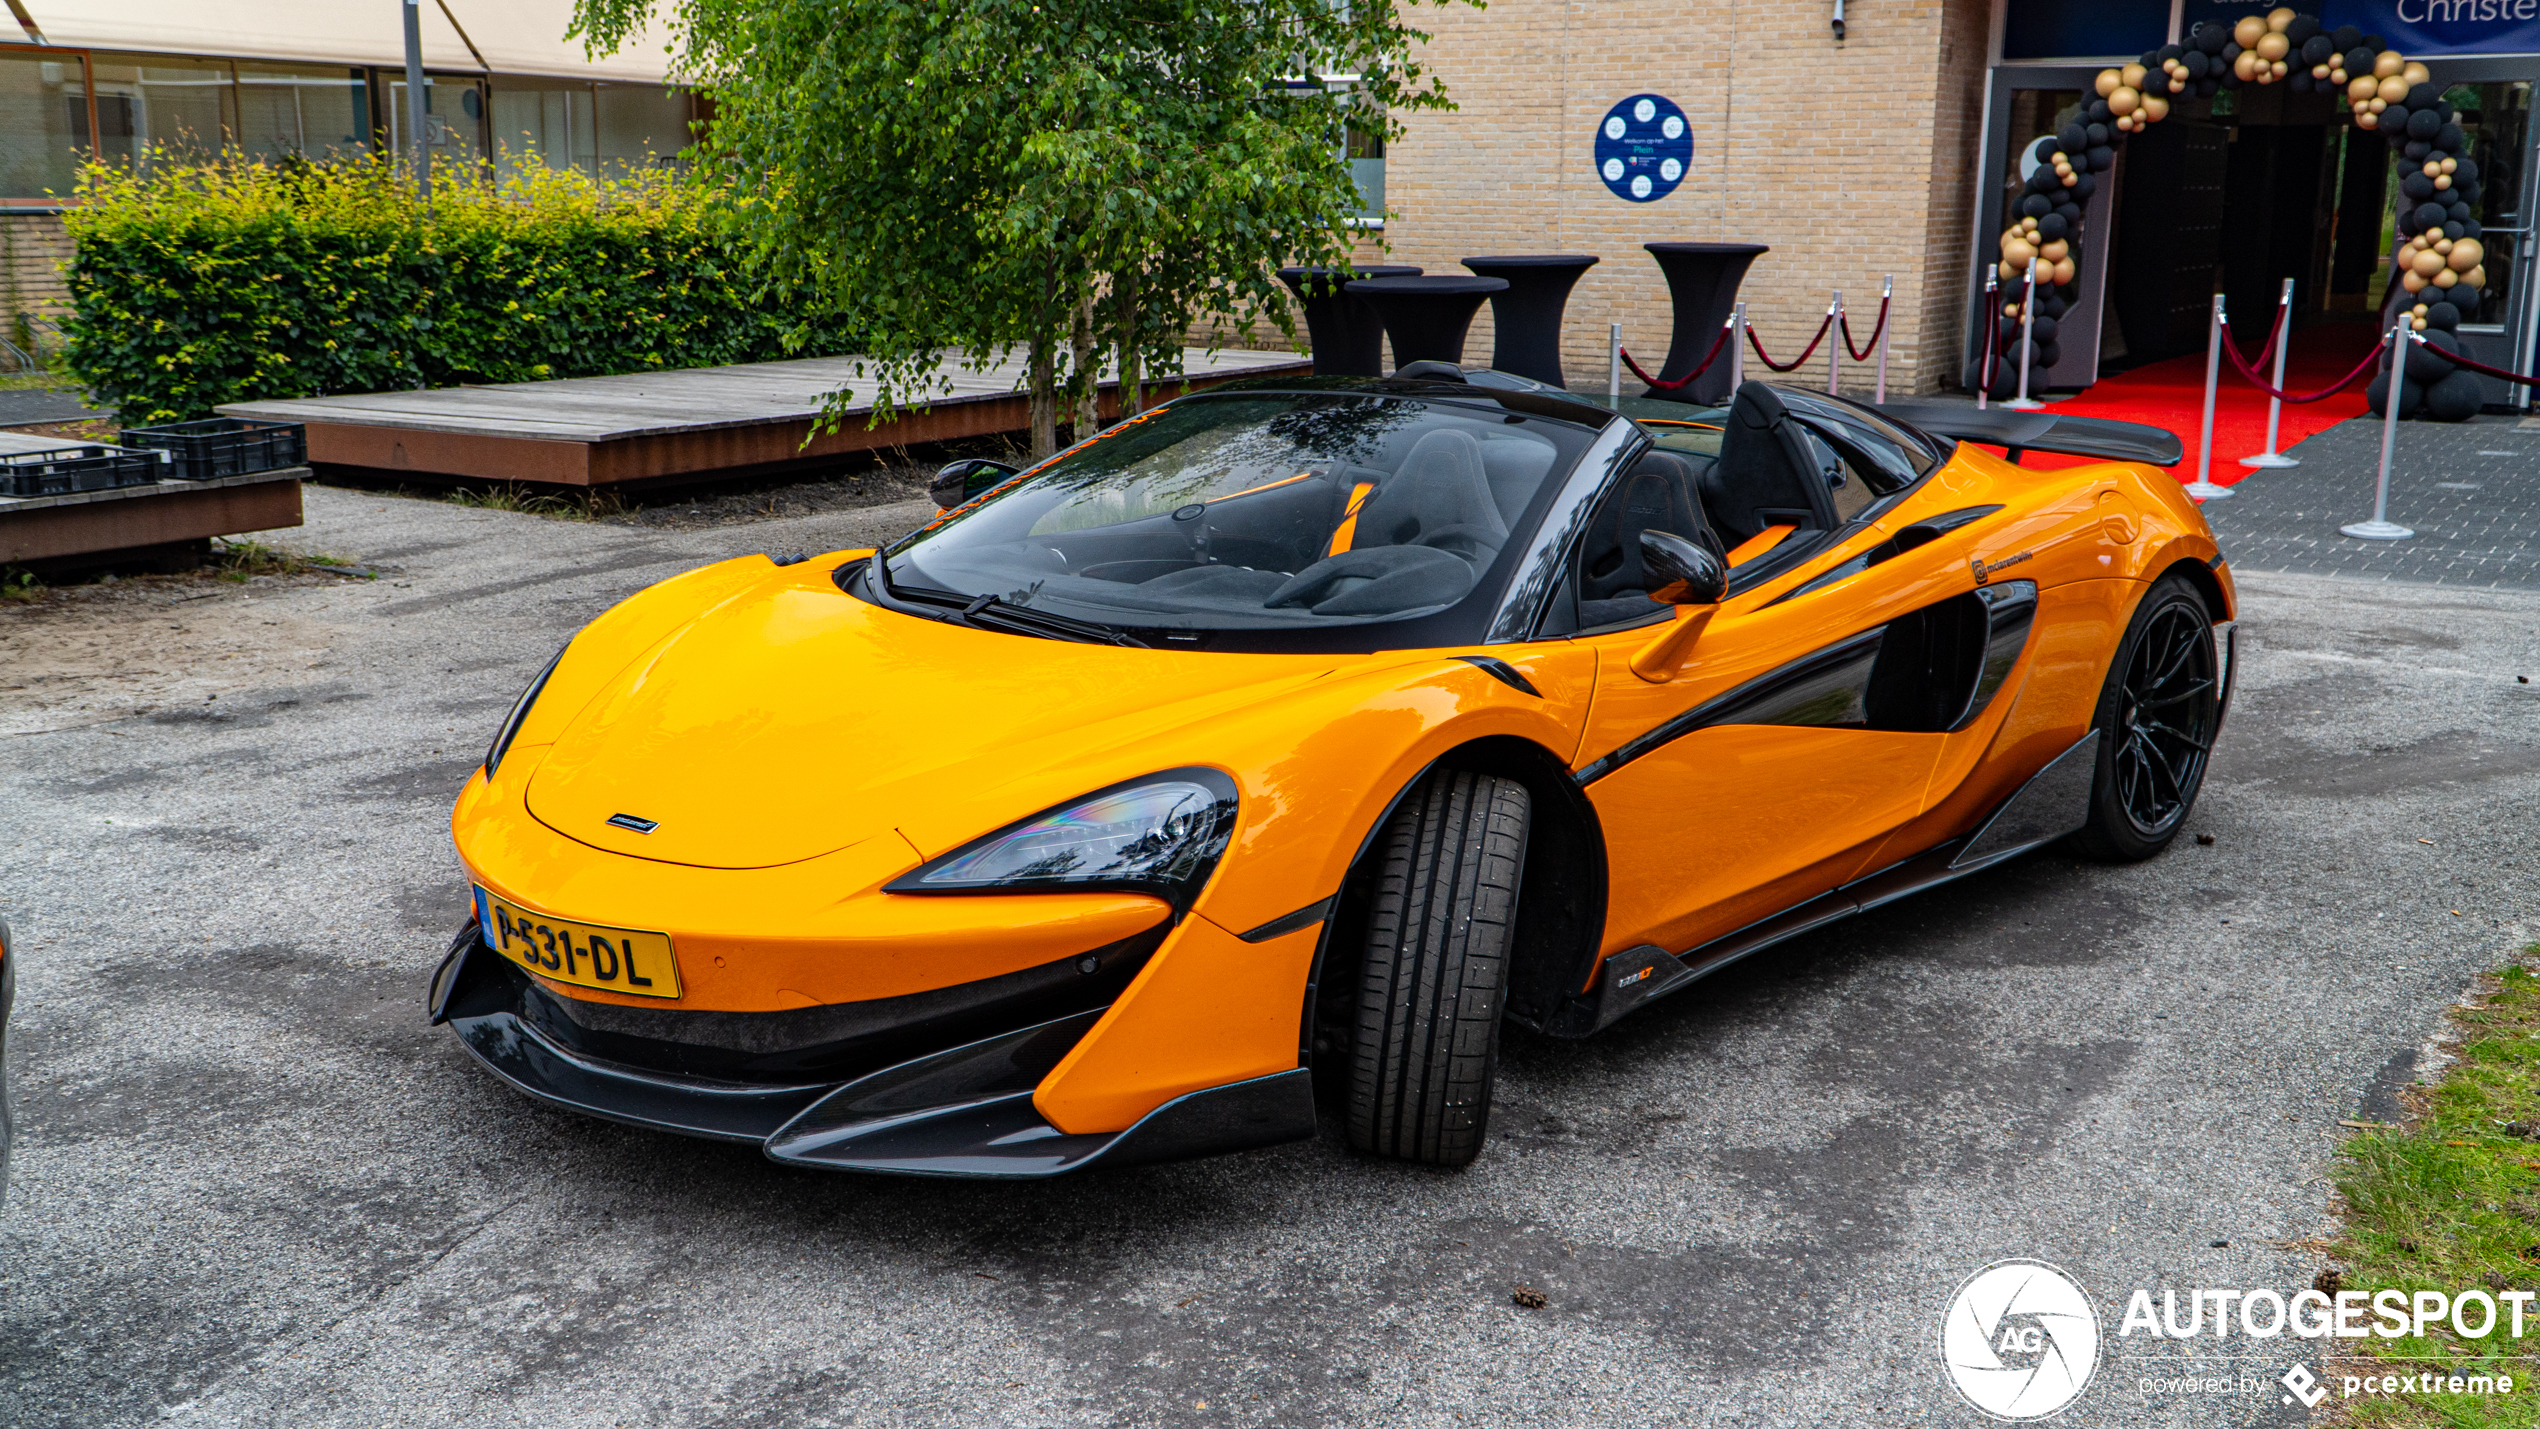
point(2020, 1339)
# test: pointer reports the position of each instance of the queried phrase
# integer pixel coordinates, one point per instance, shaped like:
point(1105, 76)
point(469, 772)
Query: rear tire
point(2157, 716)
point(1436, 969)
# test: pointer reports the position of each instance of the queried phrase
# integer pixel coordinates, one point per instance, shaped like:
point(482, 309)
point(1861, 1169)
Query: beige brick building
point(1851, 158)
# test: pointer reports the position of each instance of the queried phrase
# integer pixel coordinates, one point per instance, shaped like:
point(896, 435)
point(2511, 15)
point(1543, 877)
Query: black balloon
point(2071, 214)
point(2303, 30)
point(2466, 192)
point(2414, 150)
point(2455, 212)
point(2423, 123)
point(2164, 55)
point(2469, 229)
point(2463, 296)
point(2048, 354)
point(2230, 50)
point(2051, 305)
point(2442, 315)
point(2102, 157)
point(2093, 135)
point(2455, 230)
point(2209, 36)
point(2038, 206)
point(2424, 96)
point(2455, 398)
point(2083, 188)
point(2195, 63)
point(2348, 38)
point(2300, 82)
point(2358, 62)
point(2374, 44)
point(2427, 360)
point(2051, 227)
point(2378, 391)
point(2467, 170)
point(2073, 137)
point(2099, 112)
point(2427, 216)
point(2416, 185)
point(2450, 139)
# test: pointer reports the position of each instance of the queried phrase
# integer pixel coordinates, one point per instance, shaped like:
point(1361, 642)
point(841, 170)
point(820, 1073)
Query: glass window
point(309, 113)
point(1367, 166)
point(2497, 119)
point(551, 125)
point(450, 105)
point(179, 107)
point(639, 124)
point(43, 124)
point(1252, 512)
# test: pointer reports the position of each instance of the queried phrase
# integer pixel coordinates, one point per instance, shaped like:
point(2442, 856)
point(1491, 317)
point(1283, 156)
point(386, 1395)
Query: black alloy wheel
point(2157, 718)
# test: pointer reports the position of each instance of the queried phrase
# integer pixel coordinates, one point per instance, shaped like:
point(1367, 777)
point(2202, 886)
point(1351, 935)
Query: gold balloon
point(2245, 64)
point(2367, 120)
point(2008, 272)
point(2466, 255)
point(2056, 252)
point(2273, 46)
point(2414, 73)
point(2445, 246)
point(2418, 323)
point(2444, 278)
point(2132, 75)
point(2426, 264)
point(2451, 166)
point(2279, 69)
point(2476, 277)
point(2124, 102)
point(2107, 82)
point(2064, 272)
point(2280, 18)
point(2362, 87)
point(2442, 182)
point(2387, 64)
point(2155, 108)
point(2248, 31)
point(2412, 282)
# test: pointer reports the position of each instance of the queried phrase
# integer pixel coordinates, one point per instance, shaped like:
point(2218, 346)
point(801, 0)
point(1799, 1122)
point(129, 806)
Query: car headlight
point(520, 711)
point(1161, 834)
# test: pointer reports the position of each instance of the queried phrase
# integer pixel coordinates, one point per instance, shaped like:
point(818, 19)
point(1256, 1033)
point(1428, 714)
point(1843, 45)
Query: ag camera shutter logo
point(2020, 1340)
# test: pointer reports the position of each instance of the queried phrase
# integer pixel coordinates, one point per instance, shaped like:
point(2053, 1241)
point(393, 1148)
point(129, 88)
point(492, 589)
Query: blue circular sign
point(1644, 148)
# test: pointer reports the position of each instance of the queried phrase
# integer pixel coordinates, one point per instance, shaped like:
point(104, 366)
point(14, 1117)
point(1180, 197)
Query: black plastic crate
point(79, 468)
point(223, 446)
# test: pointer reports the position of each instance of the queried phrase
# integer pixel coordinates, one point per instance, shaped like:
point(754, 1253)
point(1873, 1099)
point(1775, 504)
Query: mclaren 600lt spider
point(1242, 769)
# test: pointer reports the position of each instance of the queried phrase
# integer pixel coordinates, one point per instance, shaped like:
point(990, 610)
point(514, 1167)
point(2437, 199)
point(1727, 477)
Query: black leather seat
point(1658, 494)
point(1440, 497)
point(1766, 472)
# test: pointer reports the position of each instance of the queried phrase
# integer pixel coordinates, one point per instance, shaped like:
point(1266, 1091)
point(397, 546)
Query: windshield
point(1257, 512)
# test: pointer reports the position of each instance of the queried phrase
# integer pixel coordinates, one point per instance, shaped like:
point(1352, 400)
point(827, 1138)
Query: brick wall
point(1850, 159)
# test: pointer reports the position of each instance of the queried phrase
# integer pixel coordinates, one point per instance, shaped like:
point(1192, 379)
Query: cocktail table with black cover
point(1702, 281)
point(1348, 339)
point(1526, 320)
point(1427, 317)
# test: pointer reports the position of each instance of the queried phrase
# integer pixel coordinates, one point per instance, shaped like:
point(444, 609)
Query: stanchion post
point(1737, 349)
point(2028, 342)
point(1614, 366)
point(1834, 349)
point(1992, 335)
point(2271, 458)
point(2381, 527)
point(2203, 487)
point(1887, 290)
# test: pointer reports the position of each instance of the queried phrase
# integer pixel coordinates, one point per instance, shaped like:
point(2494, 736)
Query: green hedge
point(227, 281)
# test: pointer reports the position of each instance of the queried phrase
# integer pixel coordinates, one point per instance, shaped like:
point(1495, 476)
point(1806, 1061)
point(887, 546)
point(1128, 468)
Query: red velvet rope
point(1797, 362)
point(1698, 368)
point(2250, 372)
point(2460, 361)
point(1863, 353)
point(2264, 352)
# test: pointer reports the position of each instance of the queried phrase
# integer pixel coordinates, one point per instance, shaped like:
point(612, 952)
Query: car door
point(1801, 729)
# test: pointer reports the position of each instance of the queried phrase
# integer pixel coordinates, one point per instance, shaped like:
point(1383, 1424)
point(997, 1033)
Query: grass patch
point(582, 506)
point(2450, 1201)
point(245, 560)
point(19, 584)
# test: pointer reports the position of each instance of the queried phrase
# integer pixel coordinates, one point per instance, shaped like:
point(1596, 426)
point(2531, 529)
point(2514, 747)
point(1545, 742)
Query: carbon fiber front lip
point(961, 1111)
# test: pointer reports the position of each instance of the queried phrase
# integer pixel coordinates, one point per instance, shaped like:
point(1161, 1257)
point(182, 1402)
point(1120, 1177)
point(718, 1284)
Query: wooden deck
point(44, 531)
point(694, 422)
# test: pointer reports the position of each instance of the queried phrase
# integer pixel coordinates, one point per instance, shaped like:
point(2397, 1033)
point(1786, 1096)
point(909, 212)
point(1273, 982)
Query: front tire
point(1435, 973)
point(2156, 721)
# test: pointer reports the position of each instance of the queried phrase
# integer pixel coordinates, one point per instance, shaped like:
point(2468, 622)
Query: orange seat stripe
point(1349, 518)
point(1759, 543)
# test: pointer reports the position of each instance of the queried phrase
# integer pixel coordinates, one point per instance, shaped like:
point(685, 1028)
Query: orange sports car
point(1241, 770)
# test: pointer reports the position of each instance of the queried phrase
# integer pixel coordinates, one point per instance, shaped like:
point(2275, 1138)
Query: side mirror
point(1691, 574)
point(958, 481)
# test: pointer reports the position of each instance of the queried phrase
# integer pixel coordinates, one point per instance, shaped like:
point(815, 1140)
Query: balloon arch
point(2440, 265)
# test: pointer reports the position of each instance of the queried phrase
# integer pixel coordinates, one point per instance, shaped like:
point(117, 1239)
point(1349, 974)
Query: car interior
point(1762, 489)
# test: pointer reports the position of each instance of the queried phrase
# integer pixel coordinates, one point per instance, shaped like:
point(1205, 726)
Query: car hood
point(793, 721)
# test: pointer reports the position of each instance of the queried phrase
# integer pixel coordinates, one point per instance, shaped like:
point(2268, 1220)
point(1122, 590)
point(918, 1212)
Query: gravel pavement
point(253, 1187)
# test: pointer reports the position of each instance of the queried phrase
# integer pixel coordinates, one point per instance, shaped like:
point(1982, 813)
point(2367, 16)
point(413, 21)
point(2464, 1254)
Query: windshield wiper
point(991, 612)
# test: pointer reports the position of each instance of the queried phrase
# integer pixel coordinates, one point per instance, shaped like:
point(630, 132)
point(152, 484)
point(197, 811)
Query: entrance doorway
point(2236, 193)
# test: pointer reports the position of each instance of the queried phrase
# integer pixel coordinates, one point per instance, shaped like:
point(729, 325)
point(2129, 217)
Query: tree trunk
point(1042, 378)
point(1124, 297)
point(1086, 370)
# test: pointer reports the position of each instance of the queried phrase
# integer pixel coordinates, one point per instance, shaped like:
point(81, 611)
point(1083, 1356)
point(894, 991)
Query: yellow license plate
point(626, 960)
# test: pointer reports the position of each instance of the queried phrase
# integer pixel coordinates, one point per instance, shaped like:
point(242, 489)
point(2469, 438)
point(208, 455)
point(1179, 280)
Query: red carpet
point(2171, 395)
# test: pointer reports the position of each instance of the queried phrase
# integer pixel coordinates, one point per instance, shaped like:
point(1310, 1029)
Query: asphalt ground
point(253, 1187)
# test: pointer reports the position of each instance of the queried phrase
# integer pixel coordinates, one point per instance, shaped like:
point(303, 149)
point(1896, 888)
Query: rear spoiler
point(2041, 431)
